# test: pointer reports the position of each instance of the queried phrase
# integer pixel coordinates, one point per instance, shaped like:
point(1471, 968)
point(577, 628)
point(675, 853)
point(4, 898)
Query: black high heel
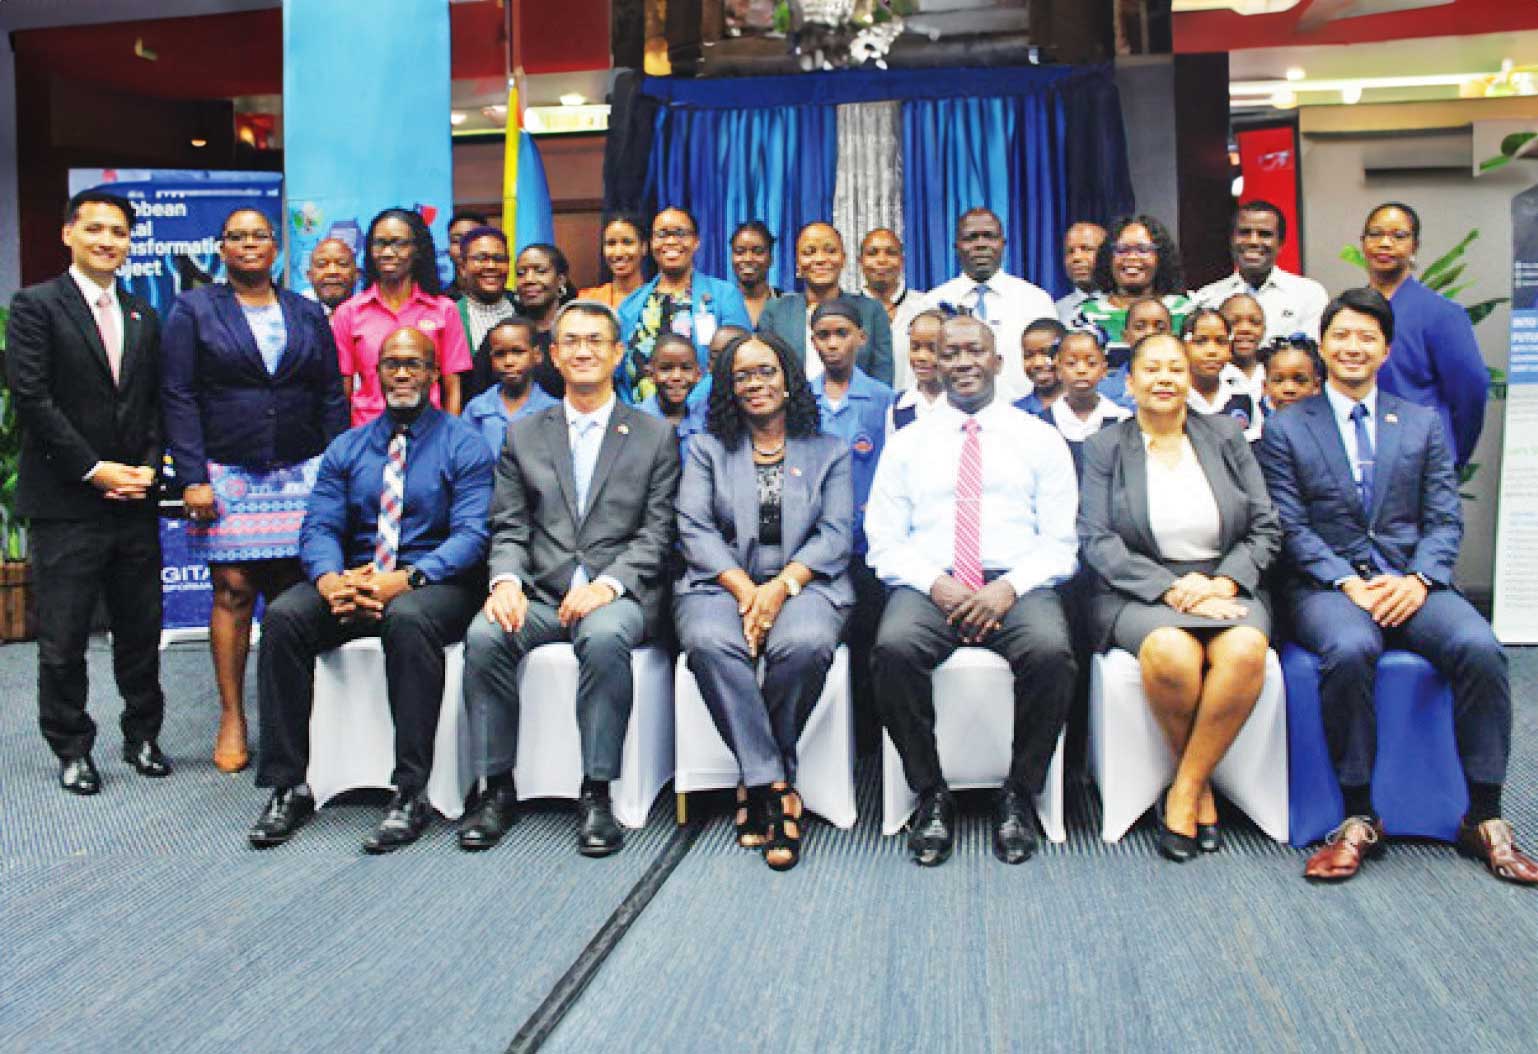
point(1172, 844)
point(751, 819)
point(785, 829)
point(1209, 837)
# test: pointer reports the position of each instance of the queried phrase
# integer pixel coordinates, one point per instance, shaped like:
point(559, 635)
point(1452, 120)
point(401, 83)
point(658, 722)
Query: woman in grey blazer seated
point(766, 524)
point(819, 263)
point(1177, 526)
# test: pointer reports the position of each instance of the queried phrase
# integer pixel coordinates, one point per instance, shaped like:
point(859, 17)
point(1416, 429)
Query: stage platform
point(139, 921)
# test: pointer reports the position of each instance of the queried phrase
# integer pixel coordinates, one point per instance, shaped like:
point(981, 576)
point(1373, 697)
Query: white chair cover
point(550, 746)
point(352, 735)
point(1132, 762)
point(825, 751)
point(974, 732)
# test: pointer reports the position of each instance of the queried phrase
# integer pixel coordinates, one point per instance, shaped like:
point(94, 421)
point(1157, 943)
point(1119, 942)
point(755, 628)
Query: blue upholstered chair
point(1417, 784)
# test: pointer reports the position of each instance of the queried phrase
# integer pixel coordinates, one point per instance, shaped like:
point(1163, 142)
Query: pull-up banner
point(365, 121)
point(1516, 536)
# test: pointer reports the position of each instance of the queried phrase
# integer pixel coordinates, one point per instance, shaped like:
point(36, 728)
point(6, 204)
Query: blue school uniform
point(692, 424)
point(861, 421)
point(488, 413)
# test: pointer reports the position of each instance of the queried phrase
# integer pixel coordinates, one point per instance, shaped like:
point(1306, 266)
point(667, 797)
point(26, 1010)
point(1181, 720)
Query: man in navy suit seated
point(1365, 487)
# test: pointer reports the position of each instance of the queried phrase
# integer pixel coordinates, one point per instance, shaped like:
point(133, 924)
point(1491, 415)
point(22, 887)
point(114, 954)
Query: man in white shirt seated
point(1291, 302)
point(971, 524)
point(1008, 304)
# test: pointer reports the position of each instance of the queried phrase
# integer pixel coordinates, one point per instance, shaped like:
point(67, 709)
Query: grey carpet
point(138, 920)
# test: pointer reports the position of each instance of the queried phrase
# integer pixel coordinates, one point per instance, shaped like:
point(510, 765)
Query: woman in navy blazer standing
point(766, 523)
point(251, 396)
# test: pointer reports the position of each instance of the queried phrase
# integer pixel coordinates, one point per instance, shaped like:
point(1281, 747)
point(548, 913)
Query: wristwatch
point(1425, 580)
point(792, 587)
point(416, 578)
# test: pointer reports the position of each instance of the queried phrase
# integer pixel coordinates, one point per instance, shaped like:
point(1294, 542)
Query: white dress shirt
point(1030, 498)
point(1292, 303)
point(1009, 306)
point(1076, 429)
point(909, 303)
point(1068, 306)
point(1182, 513)
point(1340, 405)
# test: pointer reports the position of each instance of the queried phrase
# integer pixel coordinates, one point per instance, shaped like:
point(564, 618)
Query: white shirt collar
point(600, 415)
point(902, 291)
point(89, 289)
point(1342, 403)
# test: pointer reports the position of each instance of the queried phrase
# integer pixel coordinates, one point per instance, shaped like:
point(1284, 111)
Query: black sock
point(1358, 800)
point(597, 788)
point(500, 781)
point(1484, 802)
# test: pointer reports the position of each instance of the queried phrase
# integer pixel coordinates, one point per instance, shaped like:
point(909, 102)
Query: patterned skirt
point(259, 513)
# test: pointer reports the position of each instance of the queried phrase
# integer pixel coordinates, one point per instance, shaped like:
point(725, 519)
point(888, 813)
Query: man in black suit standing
point(83, 357)
point(582, 520)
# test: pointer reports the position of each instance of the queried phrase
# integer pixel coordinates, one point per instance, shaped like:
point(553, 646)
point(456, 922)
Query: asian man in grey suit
point(582, 522)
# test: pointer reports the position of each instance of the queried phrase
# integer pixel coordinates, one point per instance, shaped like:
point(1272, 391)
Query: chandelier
point(840, 34)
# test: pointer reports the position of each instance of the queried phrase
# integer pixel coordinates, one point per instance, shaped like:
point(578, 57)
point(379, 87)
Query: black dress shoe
point(146, 759)
point(1014, 827)
point(289, 810)
point(598, 834)
point(932, 836)
point(1172, 844)
point(79, 775)
point(1209, 837)
point(403, 823)
point(484, 826)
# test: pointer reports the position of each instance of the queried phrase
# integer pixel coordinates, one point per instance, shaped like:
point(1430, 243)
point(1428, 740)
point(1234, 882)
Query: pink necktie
point(968, 564)
point(106, 325)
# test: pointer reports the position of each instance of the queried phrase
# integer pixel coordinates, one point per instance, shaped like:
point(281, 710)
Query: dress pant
point(760, 725)
point(75, 562)
point(869, 602)
point(1448, 633)
point(416, 627)
point(914, 638)
point(603, 642)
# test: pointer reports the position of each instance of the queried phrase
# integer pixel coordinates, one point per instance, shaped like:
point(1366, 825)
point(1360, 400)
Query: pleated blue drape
point(776, 164)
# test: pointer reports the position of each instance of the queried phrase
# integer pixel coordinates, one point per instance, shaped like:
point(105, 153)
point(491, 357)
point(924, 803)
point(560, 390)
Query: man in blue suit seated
point(1368, 499)
point(392, 545)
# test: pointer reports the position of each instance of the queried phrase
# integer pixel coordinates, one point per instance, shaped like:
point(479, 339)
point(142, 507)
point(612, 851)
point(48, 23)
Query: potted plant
point(17, 610)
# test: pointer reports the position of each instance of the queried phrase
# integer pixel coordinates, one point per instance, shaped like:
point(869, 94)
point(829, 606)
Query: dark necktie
point(1364, 457)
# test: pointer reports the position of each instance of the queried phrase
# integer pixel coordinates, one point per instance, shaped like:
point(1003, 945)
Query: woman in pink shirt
point(401, 288)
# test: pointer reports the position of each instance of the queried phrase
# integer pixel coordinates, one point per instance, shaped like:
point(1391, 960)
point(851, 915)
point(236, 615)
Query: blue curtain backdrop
point(776, 164)
point(1042, 146)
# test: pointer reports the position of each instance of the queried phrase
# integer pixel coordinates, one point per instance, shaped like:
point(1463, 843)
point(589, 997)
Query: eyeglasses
point(398, 244)
point(1374, 234)
point(413, 366)
point(676, 234)
point(1135, 249)
point(486, 258)
point(767, 372)
point(254, 237)
point(594, 341)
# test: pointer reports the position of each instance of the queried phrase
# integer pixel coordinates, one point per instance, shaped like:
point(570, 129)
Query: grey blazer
point(1116, 540)
point(718, 513)
point(628, 529)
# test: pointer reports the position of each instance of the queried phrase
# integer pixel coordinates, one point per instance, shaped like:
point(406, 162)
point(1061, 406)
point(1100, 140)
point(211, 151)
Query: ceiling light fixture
point(572, 98)
point(457, 117)
point(1295, 73)
point(199, 143)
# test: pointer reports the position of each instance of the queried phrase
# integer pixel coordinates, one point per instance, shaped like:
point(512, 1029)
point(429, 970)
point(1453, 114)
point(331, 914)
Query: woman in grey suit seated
point(766, 524)
point(1178, 528)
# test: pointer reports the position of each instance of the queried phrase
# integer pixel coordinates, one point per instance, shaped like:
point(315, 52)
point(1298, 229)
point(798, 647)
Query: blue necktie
point(584, 458)
point(1364, 457)
point(982, 308)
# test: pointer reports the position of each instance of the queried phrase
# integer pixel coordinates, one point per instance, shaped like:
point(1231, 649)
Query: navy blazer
point(221, 404)
point(718, 513)
point(786, 316)
point(1416, 521)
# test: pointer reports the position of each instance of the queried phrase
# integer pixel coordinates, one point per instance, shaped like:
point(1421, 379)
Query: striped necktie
point(392, 500)
point(968, 563)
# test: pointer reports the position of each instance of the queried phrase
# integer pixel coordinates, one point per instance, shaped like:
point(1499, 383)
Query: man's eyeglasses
point(766, 372)
point(412, 366)
point(254, 237)
point(676, 234)
point(486, 258)
point(593, 341)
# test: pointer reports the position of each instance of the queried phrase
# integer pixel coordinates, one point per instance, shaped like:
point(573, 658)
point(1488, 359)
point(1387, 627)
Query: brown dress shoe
point(1493, 844)
point(1344, 849)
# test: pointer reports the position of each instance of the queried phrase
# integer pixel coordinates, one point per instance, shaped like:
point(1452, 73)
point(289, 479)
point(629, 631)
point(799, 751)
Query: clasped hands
point(759, 605)
point(508, 607)
point(361, 592)
point(119, 482)
point(1389, 599)
point(976, 614)
point(1197, 594)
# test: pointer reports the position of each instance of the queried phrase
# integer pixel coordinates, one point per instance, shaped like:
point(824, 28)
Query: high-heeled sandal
point(751, 820)
point(231, 761)
point(786, 826)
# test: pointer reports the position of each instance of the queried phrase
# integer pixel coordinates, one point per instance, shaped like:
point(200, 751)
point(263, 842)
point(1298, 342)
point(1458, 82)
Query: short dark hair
point(511, 322)
point(594, 308)
point(225, 225)
point(1046, 325)
point(693, 223)
point(1261, 205)
point(758, 227)
point(485, 230)
point(1299, 342)
point(1415, 218)
point(723, 418)
point(979, 210)
point(98, 197)
point(629, 219)
point(669, 339)
point(1157, 302)
point(1137, 349)
point(480, 219)
point(1189, 326)
point(1364, 301)
point(983, 327)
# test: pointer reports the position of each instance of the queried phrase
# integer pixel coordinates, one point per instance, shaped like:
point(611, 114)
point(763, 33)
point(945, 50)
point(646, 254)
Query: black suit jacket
point(628, 529)
point(72, 415)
